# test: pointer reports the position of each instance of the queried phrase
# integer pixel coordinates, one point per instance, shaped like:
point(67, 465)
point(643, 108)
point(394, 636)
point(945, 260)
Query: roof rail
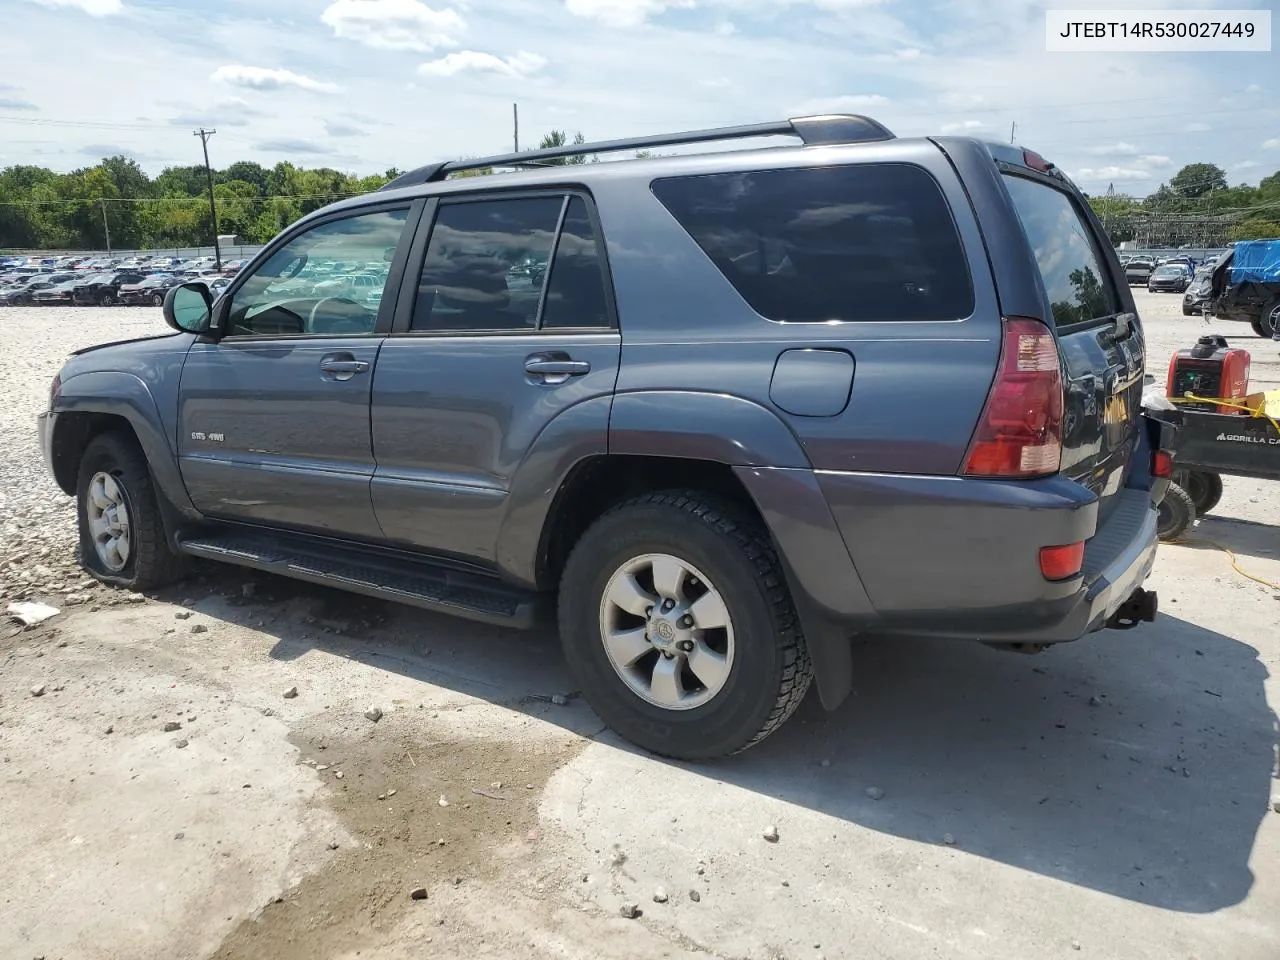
point(813, 131)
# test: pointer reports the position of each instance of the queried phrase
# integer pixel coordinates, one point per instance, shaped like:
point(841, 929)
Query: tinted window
point(297, 291)
point(1078, 287)
point(575, 291)
point(862, 243)
point(486, 264)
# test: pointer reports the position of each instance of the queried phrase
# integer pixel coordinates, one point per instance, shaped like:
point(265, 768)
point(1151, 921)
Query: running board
point(409, 580)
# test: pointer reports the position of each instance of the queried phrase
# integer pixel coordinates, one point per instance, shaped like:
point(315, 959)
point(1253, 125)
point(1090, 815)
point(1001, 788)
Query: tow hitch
point(1141, 607)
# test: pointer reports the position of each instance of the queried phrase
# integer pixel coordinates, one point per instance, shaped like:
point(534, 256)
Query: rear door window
point(1080, 290)
point(871, 242)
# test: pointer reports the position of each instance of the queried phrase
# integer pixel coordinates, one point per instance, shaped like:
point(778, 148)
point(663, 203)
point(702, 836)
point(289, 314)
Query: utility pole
point(1012, 129)
point(106, 228)
point(515, 120)
point(204, 136)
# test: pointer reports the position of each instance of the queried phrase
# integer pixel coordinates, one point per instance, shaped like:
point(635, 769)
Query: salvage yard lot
point(1111, 797)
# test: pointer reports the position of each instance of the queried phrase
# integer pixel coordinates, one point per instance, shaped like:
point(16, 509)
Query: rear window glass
point(1079, 289)
point(872, 242)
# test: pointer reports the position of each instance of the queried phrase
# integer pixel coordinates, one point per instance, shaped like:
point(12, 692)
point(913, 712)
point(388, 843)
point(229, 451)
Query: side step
point(398, 577)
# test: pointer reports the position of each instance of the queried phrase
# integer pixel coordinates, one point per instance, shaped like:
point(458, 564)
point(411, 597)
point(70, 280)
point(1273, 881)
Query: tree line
point(41, 209)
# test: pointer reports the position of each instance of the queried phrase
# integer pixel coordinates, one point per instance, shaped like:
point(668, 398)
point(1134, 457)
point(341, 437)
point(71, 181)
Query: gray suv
point(720, 410)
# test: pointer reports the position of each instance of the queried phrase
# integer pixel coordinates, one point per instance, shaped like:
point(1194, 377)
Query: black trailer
point(1208, 445)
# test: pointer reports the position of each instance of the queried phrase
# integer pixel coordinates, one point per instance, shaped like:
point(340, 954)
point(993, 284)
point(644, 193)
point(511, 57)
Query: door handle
point(342, 369)
point(555, 369)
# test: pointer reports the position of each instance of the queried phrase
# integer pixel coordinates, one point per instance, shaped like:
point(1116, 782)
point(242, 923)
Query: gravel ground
point(1108, 799)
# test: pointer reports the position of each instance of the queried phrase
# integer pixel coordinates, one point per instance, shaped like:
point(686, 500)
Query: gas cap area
point(813, 382)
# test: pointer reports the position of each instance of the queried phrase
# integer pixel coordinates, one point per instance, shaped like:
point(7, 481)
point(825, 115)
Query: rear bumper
point(954, 557)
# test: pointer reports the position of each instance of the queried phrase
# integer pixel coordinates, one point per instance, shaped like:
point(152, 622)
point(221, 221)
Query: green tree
point(1197, 179)
point(558, 138)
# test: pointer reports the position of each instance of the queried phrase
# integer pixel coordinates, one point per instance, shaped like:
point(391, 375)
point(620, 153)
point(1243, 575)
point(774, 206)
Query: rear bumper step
point(418, 583)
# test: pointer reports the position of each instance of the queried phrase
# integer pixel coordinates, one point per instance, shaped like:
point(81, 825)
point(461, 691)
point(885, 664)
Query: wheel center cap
point(664, 631)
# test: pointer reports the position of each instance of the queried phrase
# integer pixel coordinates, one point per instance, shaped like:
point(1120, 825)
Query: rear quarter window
point(870, 242)
point(1079, 288)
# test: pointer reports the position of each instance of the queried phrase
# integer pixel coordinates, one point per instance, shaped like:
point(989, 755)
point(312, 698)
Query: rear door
point(1100, 340)
point(485, 354)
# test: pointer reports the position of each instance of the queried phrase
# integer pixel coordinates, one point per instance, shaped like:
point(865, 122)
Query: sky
point(364, 85)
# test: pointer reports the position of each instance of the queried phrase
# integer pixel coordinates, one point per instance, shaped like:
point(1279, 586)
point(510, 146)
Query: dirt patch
point(389, 798)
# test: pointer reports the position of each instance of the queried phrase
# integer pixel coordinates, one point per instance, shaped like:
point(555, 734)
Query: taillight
point(1020, 432)
point(1162, 465)
point(1059, 563)
point(55, 389)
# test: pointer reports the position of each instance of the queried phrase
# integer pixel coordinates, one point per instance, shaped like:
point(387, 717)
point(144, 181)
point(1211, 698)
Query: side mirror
point(187, 307)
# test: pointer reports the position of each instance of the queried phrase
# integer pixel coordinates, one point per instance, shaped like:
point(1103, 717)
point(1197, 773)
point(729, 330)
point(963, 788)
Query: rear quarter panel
point(918, 388)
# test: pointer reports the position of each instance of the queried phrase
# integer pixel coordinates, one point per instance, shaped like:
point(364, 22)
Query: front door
point(274, 416)
point(511, 325)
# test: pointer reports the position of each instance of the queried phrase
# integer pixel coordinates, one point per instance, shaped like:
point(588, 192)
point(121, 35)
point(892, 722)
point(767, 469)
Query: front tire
point(122, 538)
point(106, 300)
point(157, 300)
point(678, 626)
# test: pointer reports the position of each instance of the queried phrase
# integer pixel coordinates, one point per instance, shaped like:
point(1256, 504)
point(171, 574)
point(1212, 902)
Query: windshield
point(1170, 271)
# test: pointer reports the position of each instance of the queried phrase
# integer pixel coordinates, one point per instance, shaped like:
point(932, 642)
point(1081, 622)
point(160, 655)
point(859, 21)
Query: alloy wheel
point(107, 509)
point(667, 631)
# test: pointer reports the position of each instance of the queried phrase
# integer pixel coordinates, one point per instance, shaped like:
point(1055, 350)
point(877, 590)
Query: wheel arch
point(89, 404)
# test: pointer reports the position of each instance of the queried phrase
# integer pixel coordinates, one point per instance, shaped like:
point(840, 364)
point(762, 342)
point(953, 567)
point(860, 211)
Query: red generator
point(1210, 369)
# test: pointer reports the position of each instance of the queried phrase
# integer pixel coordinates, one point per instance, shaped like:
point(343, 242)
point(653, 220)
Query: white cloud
point(1245, 165)
point(905, 55)
point(393, 24)
point(521, 64)
point(725, 28)
point(1195, 126)
point(716, 83)
point(95, 8)
point(964, 126)
point(1253, 88)
point(1097, 174)
point(288, 145)
point(622, 13)
point(851, 103)
point(265, 78)
point(1150, 160)
point(1272, 144)
point(1118, 149)
point(336, 128)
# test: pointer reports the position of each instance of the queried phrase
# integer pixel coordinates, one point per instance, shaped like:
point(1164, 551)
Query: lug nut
point(668, 604)
point(686, 646)
point(686, 621)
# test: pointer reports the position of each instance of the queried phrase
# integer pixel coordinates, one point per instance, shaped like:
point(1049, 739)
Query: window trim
point(948, 202)
point(1104, 266)
point(407, 300)
point(386, 312)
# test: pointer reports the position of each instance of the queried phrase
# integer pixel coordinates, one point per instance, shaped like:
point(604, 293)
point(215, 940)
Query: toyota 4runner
point(722, 410)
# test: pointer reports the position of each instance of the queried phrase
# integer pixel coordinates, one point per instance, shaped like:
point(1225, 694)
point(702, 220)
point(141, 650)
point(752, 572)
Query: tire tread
point(755, 545)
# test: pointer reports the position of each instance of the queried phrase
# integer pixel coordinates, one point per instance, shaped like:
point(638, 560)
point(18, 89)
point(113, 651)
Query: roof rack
point(813, 131)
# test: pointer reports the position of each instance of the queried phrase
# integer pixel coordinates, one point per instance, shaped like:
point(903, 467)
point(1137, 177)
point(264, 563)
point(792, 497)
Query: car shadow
point(1136, 763)
point(1245, 537)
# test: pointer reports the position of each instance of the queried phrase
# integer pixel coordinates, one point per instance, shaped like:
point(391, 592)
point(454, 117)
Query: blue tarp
point(1256, 261)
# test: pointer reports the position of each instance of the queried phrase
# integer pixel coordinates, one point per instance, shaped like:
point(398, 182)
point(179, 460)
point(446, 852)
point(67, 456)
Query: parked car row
point(129, 286)
point(1175, 272)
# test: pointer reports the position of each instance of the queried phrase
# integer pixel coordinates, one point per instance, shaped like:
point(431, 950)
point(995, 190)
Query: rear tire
point(1265, 325)
point(762, 665)
point(1177, 514)
point(106, 300)
point(122, 537)
point(1204, 488)
point(1187, 311)
point(157, 300)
